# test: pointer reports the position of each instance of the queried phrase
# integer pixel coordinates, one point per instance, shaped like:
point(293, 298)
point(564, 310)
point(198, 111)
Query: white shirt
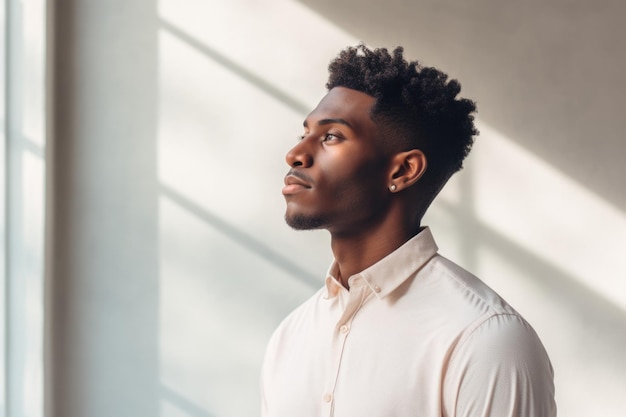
point(415, 336)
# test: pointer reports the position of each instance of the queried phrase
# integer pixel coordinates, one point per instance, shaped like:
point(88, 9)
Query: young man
point(397, 330)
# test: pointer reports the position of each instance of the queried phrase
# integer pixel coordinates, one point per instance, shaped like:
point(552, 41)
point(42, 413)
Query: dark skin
point(340, 178)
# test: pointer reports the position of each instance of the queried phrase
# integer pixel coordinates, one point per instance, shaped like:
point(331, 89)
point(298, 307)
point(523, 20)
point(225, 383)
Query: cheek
point(362, 185)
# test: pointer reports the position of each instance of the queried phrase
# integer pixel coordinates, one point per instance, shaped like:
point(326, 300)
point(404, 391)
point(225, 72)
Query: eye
point(330, 136)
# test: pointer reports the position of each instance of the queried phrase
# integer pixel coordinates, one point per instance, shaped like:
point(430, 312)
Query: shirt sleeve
point(499, 369)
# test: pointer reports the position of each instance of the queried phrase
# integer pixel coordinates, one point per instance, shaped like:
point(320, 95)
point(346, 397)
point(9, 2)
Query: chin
point(301, 222)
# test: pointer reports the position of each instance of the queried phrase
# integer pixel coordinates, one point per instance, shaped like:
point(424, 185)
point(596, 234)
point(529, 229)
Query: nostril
point(297, 158)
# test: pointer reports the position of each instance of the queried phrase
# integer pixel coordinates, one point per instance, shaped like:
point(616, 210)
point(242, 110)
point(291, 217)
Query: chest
point(376, 360)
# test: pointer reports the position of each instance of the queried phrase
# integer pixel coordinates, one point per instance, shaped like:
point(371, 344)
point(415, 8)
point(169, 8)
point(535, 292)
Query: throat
point(355, 255)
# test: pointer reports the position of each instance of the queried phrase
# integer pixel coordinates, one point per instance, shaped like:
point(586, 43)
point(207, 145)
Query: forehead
point(343, 103)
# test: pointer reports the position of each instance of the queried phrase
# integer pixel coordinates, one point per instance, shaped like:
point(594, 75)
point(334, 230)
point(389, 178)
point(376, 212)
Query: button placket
point(357, 296)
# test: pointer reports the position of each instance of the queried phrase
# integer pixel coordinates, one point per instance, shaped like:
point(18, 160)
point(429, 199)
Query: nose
point(299, 155)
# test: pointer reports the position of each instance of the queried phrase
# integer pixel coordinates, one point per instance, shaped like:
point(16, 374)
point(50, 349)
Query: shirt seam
point(453, 277)
point(466, 336)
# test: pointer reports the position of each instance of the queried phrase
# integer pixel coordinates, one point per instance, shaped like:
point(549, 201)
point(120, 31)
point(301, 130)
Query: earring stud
point(392, 187)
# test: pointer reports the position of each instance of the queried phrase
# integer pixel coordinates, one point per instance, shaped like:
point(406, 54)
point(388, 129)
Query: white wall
point(171, 261)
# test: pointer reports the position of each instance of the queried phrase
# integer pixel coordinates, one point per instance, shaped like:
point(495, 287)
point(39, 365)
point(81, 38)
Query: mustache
point(299, 174)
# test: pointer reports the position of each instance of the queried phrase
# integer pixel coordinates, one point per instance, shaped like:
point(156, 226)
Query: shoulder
point(456, 299)
point(499, 364)
point(505, 338)
point(496, 364)
point(464, 287)
point(493, 325)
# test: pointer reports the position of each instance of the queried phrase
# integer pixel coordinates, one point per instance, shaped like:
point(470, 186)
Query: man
point(397, 330)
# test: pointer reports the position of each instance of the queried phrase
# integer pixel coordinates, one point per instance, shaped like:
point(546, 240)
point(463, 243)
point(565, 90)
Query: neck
point(355, 252)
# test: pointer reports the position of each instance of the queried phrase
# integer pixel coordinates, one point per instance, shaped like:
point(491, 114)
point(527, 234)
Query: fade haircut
point(416, 107)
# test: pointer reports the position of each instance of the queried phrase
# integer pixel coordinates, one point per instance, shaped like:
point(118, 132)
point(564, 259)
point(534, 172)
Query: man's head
point(415, 108)
point(387, 127)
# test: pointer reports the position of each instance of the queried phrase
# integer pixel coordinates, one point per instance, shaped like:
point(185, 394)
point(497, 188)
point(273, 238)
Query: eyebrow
point(329, 121)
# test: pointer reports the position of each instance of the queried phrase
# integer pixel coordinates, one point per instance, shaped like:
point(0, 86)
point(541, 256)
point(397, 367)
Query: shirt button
point(344, 328)
point(328, 397)
point(376, 288)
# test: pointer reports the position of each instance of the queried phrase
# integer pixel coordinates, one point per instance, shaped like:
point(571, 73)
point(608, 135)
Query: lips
point(295, 182)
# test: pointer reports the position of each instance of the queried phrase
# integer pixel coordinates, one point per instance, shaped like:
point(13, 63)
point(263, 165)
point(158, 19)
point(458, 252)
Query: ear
point(406, 168)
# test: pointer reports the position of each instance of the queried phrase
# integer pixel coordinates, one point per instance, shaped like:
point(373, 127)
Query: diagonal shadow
point(591, 307)
point(515, 91)
point(33, 147)
point(242, 238)
point(237, 69)
point(18, 140)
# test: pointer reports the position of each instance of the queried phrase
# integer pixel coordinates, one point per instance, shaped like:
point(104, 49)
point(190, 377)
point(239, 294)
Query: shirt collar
point(390, 272)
